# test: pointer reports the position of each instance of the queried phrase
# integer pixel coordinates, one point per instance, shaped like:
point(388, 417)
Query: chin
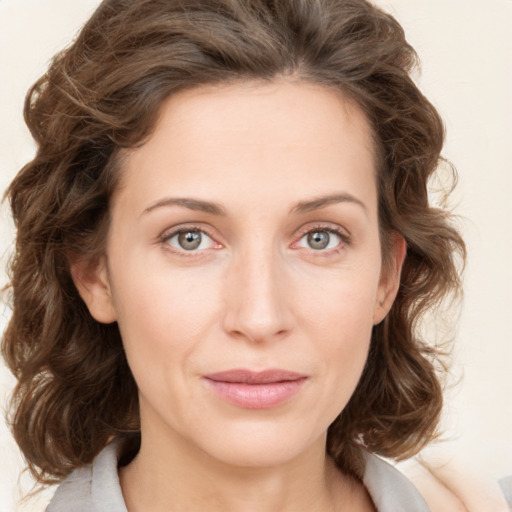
point(257, 446)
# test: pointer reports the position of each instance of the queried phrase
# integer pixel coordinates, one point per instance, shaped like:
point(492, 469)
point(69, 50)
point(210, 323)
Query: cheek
point(162, 315)
point(345, 343)
point(341, 302)
point(338, 319)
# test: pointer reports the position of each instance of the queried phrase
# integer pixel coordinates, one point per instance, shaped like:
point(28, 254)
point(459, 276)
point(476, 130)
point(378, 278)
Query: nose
point(257, 298)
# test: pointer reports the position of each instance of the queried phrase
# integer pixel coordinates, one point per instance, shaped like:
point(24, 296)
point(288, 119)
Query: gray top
point(506, 487)
point(96, 488)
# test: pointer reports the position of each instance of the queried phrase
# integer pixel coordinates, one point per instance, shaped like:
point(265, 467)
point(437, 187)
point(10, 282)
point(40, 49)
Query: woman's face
point(243, 267)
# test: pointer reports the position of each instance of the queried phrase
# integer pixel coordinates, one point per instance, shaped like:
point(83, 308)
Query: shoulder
point(75, 491)
point(449, 485)
point(390, 490)
point(93, 488)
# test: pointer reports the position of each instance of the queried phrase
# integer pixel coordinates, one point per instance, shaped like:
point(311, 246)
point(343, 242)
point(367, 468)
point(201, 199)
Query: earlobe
point(92, 282)
point(390, 278)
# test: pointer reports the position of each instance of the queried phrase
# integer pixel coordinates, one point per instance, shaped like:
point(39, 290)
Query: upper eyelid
point(170, 232)
point(326, 226)
point(304, 229)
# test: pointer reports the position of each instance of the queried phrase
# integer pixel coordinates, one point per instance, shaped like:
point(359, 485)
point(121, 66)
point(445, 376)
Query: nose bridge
point(257, 306)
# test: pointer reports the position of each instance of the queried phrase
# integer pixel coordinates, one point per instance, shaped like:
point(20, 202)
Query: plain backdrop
point(466, 52)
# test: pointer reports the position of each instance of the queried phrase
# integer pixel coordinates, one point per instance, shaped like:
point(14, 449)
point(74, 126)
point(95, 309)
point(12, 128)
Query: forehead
point(265, 113)
point(244, 136)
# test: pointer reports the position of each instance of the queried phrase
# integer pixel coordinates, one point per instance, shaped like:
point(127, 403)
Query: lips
point(255, 390)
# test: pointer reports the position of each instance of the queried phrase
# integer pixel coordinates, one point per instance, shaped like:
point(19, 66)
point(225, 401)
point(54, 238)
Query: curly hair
point(75, 391)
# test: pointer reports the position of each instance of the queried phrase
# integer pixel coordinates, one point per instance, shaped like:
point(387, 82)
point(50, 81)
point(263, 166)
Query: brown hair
point(75, 391)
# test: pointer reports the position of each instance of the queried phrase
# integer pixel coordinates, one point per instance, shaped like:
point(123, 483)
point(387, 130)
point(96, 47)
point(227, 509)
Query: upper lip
point(243, 376)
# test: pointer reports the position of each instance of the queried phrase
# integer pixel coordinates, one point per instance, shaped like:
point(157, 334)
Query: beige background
point(466, 51)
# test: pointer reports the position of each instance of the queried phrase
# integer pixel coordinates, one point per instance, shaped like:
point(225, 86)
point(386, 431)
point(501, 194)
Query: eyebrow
point(324, 201)
point(187, 202)
point(216, 209)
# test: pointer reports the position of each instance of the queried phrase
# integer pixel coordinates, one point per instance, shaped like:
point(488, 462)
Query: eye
point(321, 239)
point(190, 240)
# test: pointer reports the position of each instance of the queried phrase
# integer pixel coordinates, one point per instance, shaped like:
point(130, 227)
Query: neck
point(171, 474)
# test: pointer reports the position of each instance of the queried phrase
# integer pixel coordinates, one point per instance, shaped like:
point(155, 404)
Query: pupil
point(190, 240)
point(318, 240)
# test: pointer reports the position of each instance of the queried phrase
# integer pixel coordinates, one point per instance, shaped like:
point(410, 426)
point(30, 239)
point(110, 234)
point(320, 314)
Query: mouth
point(255, 390)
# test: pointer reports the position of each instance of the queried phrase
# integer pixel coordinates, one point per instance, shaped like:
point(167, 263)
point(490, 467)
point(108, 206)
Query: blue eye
point(190, 240)
point(321, 239)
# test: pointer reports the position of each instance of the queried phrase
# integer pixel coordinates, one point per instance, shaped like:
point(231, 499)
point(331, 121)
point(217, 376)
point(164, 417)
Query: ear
point(92, 282)
point(389, 282)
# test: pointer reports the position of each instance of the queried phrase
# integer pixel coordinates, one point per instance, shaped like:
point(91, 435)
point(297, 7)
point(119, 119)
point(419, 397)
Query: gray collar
point(96, 488)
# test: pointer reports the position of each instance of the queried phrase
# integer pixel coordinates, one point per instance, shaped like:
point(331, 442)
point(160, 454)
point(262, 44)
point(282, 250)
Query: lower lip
point(256, 396)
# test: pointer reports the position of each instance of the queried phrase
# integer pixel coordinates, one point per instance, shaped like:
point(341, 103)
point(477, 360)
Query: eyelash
point(344, 237)
point(168, 235)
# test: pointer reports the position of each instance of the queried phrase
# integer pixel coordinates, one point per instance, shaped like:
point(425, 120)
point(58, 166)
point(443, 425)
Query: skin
point(254, 295)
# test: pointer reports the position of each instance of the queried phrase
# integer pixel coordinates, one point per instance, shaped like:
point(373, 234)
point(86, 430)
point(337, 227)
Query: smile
point(255, 390)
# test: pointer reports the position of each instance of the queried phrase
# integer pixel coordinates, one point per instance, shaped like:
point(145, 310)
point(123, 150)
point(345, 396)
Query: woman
point(224, 243)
